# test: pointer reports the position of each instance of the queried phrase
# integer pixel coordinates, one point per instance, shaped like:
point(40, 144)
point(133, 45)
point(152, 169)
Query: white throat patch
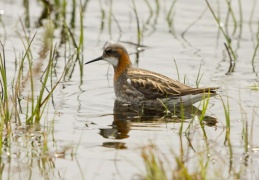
point(112, 60)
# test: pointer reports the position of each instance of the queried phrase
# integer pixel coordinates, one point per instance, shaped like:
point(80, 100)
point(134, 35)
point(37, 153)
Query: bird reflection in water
point(125, 114)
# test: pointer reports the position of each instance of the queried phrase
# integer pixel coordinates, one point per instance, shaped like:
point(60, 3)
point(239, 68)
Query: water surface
point(87, 141)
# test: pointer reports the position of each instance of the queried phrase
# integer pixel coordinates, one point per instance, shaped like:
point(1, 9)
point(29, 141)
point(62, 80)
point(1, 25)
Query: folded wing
point(153, 85)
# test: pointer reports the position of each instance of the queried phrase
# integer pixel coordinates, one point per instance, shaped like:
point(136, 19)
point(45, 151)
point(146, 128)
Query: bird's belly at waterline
point(169, 102)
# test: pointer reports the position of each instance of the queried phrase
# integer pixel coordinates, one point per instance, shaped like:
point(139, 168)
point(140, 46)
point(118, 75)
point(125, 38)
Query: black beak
point(97, 59)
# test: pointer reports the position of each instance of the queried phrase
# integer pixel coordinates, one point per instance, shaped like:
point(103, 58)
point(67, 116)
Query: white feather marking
point(112, 60)
point(129, 81)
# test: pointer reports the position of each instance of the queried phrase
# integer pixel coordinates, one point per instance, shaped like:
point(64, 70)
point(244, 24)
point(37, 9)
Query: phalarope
point(139, 86)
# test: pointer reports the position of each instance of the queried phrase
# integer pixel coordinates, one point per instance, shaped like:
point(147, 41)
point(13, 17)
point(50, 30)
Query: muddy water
point(87, 141)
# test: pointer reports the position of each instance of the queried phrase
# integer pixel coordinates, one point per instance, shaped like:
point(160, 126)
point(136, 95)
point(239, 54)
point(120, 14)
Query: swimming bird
point(133, 85)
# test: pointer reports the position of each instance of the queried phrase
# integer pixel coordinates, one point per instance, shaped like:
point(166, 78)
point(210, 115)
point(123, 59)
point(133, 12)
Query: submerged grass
point(4, 104)
point(139, 32)
point(170, 17)
point(203, 161)
point(199, 76)
point(37, 105)
point(255, 87)
point(205, 104)
point(227, 38)
point(174, 166)
point(31, 109)
point(25, 97)
point(154, 166)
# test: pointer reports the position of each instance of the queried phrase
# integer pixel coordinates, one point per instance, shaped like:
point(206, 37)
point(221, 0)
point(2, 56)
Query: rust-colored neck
point(124, 63)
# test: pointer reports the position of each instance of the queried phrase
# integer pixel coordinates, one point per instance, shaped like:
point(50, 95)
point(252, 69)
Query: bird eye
point(108, 51)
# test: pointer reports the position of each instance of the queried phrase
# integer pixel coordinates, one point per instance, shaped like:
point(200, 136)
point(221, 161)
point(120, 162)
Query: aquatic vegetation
point(227, 38)
point(170, 17)
point(255, 87)
point(58, 121)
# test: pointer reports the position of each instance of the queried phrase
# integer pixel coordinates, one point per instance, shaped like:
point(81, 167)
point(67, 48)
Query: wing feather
point(152, 84)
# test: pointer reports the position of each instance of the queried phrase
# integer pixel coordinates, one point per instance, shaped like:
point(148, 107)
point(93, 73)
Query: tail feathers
point(193, 91)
